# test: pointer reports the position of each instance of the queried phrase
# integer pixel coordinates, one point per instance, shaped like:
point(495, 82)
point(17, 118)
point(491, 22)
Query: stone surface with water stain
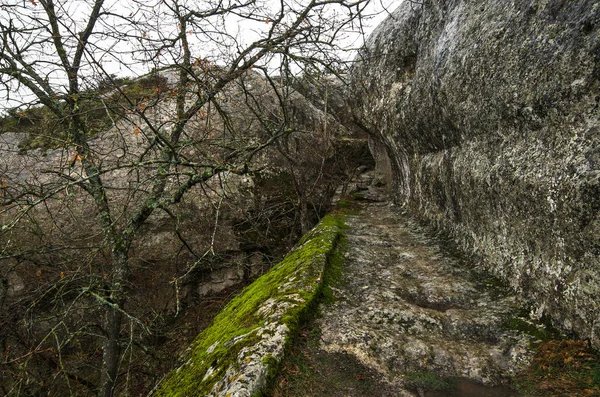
point(404, 306)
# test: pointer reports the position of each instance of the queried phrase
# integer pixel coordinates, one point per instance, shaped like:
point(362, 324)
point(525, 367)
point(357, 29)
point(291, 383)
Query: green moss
point(358, 197)
point(301, 273)
point(333, 274)
point(343, 204)
point(273, 365)
point(541, 329)
point(522, 325)
point(429, 381)
point(349, 207)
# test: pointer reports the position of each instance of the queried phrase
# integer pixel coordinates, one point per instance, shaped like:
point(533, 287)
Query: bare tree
point(124, 150)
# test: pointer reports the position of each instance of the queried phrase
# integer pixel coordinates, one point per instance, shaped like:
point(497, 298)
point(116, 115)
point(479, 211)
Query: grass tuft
point(562, 368)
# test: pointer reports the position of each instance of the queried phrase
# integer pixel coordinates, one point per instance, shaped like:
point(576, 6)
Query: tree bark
point(301, 191)
point(113, 322)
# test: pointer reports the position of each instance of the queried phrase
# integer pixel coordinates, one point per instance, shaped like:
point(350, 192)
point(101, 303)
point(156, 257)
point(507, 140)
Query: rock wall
point(488, 112)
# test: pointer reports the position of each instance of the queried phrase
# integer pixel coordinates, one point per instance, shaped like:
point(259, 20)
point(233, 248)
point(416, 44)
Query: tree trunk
point(110, 364)
point(301, 191)
point(113, 322)
point(304, 217)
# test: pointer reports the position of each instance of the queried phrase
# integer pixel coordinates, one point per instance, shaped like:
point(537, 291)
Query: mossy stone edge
point(238, 353)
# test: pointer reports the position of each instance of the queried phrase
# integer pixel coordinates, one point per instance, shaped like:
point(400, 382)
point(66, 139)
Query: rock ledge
point(236, 355)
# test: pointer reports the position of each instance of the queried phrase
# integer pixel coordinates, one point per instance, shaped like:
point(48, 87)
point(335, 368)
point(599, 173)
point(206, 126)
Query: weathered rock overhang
point(244, 345)
point(488, 112)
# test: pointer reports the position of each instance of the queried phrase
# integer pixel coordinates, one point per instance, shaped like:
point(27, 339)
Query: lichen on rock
point(237, 354)
point(488, 112)
point(405, 306)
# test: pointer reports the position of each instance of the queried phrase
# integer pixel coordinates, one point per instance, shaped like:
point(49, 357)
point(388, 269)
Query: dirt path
point(408, 319)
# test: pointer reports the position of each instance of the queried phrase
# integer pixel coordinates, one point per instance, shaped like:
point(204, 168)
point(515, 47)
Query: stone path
point(409, 310)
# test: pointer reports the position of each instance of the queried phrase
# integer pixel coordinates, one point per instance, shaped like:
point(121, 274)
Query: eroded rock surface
point(489, 113)
point(406, 306)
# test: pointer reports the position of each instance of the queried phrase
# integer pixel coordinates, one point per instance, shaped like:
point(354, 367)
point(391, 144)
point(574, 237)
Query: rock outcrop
point(488, 112)
point(242, 348)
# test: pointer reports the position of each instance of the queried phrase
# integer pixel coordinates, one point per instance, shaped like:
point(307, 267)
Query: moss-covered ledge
point(246, 341)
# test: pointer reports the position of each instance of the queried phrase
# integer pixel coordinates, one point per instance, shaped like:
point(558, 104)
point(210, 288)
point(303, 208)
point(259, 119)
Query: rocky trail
point(411, 318)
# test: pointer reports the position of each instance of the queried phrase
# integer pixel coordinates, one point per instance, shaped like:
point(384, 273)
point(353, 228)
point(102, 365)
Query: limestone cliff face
point(489, 113)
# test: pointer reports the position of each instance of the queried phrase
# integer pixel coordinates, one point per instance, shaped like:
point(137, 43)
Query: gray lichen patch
point(405, 306)
point(484, 114)
point(237, 354)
